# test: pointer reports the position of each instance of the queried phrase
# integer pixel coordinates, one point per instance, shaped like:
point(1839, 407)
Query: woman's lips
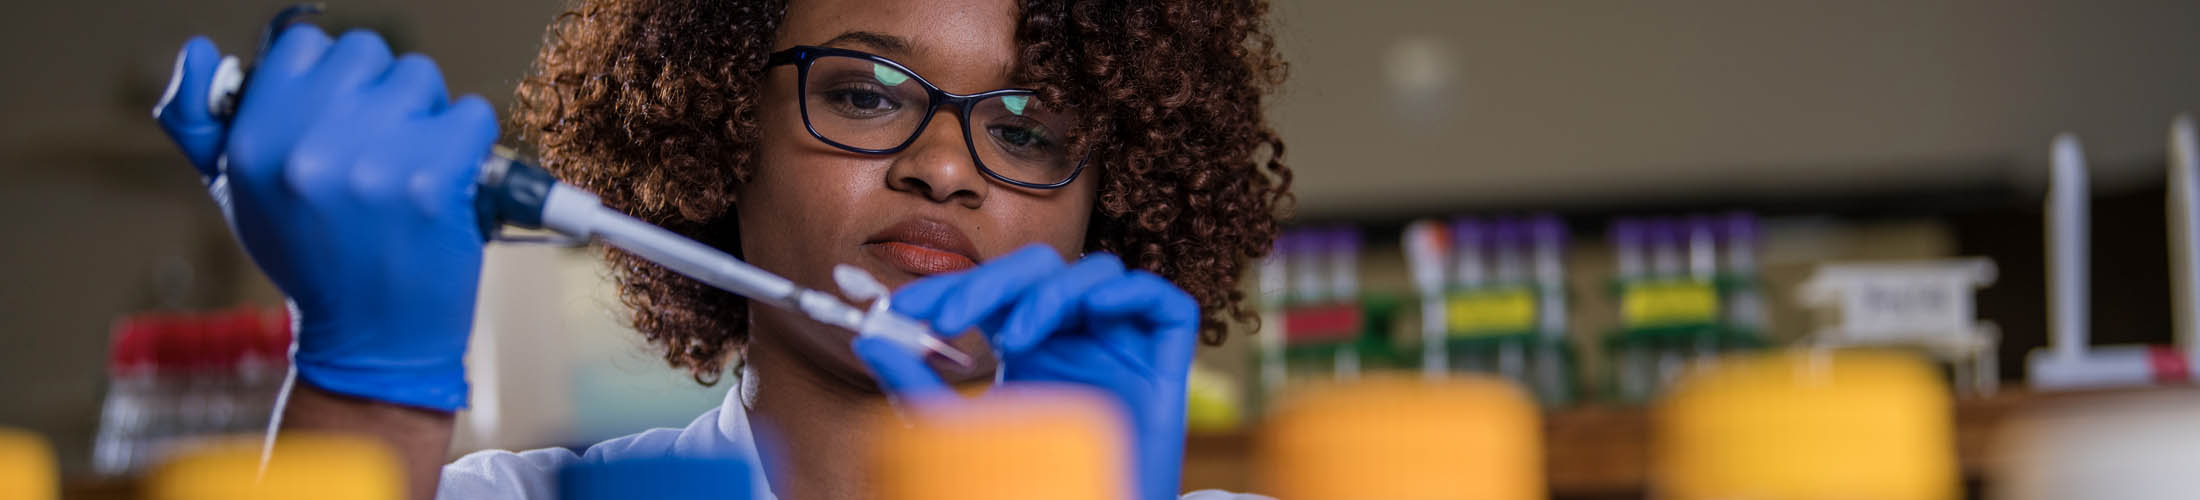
point(918, 260)
point(922, 247)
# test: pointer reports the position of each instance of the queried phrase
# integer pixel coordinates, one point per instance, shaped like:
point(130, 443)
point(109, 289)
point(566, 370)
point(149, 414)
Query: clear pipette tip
point(858, 284)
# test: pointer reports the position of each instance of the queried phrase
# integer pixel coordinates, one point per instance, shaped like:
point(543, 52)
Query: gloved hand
point(348, 176)
point(1130, 333)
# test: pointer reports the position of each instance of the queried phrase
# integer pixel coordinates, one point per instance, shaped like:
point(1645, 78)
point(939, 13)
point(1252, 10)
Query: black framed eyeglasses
point(864, 103)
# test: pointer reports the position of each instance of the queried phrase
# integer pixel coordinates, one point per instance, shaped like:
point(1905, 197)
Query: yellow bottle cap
point(26, 466)
point(1385, 437)
point(323, 466)
point(1016, 442)
point(1807, 425)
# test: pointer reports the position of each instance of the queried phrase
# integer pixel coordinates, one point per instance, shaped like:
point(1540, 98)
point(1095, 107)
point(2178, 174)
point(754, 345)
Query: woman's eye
point(861, 102)
point(1019, 137)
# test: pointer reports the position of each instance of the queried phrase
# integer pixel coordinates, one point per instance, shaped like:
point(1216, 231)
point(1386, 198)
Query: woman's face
point(925, 210)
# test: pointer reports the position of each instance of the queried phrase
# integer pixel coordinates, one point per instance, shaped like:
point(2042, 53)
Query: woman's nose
point(938, 166)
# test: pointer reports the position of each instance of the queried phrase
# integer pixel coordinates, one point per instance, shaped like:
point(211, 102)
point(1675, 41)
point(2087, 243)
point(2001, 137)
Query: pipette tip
point(941, 348)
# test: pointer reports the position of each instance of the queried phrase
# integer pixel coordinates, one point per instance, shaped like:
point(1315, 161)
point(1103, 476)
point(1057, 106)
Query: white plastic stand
point(1924, 304)
point(2069, 361)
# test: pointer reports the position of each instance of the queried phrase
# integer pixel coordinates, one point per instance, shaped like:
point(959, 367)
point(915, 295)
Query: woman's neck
point(818, 424)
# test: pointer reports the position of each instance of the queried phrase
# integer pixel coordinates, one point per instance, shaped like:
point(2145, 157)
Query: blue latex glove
point(348, 176)
point(1128, 332)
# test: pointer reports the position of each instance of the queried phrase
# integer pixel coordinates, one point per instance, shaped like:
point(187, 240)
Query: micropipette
point(512, 192)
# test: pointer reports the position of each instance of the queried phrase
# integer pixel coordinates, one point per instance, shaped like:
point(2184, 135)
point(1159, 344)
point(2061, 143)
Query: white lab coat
point(721, 433)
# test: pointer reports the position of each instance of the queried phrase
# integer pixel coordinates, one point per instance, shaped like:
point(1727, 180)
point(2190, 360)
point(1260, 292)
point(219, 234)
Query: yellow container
point(1396, 437)
point(26, 467)
point(1805, 426)
point(319, 466)
point(1055, 442)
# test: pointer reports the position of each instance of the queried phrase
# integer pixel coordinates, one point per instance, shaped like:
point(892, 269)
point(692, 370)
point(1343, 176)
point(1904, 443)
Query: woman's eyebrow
point(879, 42)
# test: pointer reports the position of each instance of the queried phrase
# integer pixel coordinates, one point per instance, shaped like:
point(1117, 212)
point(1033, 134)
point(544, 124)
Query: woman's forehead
point(959, 45)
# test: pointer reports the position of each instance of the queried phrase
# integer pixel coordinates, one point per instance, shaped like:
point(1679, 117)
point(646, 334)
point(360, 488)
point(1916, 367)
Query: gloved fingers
point(413, 85)
point(407, 91)
point(921, 299)
point(473, 121)
point(994, 286)
point(1147, 297)
point(294, 53)
point(1086, 354)
point(182, 109)
point(357, 58)
point(310, 96)
point(901, 372)
point(266, 126)
point(444, 188)
point(1154, 305)
point(924, 298)
point(339, 156)
point(1053, 303)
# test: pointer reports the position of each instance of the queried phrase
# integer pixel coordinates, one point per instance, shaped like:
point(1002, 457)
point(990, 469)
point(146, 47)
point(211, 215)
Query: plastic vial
point(1344, 263)
point(1467, 235)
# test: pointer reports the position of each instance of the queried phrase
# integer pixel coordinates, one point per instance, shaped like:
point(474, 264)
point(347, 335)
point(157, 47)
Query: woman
point(1122, 147)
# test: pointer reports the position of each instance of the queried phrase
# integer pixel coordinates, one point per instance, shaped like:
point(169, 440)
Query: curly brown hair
point(652, 105)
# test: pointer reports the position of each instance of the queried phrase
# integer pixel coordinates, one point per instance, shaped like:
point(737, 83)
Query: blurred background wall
point(1908, 113)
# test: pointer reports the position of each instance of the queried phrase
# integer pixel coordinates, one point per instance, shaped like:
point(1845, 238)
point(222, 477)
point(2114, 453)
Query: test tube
point(1744, 307)
point(1307, 255)
point(1549, 236)
point(1274, 293)
point(1508, 246)
point(1344, 263)
point(1627, 248)
point(1274, 275)
point(1703, 253)
point(1740, 232)
point(1632, 368)
point(1468, 236)
point(1703, 266)
point(1548, 370)
point(1663, 235)
point(1426, 247)
point(1508, 269)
